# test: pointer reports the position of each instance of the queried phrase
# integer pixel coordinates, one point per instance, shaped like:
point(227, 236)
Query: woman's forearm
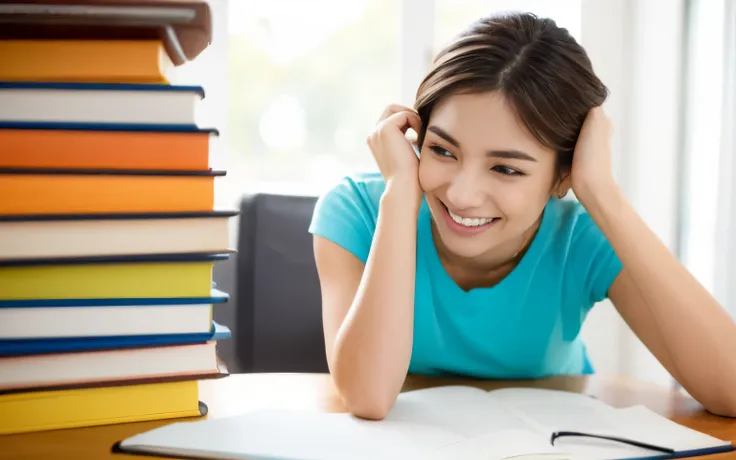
point(698, 334)
point(373, 346)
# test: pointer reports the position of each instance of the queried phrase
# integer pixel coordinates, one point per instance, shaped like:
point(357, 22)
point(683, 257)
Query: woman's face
point(485, 177)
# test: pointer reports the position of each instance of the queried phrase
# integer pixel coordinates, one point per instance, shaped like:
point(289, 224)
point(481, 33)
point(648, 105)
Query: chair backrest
point(279, 312)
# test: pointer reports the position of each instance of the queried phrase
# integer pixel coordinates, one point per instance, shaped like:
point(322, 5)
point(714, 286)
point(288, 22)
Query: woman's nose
point(465, 193)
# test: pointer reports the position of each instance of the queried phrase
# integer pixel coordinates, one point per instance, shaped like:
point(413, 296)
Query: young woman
point(467, 261)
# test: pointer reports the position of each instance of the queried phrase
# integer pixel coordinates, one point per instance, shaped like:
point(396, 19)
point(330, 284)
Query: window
point(306, 84)
point(703, 112)
point(725, 288)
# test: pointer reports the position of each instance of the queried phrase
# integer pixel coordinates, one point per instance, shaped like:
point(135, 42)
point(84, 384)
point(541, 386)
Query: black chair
point(278, 317)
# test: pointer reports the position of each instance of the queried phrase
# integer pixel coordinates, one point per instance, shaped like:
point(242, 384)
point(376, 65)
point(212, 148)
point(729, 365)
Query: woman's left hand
point(591, 164)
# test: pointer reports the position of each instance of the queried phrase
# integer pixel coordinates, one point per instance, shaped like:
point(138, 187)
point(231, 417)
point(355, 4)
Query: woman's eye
point(440, 151)
point(505, 170)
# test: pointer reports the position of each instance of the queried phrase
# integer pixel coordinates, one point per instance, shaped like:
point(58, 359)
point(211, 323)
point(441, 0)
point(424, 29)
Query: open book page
point(291, 435)
point(549, 411)
point(504, 445)
point(554, 410)
point(443, 423)
point(430, 424)
point(464, 411)
point(505, 424)
point(486, 428)
point(640, 423)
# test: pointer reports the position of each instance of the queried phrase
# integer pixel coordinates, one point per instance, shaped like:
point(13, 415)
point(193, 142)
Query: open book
point(451, 422)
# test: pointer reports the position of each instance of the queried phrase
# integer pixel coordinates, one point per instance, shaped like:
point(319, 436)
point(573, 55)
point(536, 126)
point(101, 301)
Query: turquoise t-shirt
point(526, 326)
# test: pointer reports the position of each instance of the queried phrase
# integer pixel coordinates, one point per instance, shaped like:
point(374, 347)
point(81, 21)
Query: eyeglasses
point(559, 434)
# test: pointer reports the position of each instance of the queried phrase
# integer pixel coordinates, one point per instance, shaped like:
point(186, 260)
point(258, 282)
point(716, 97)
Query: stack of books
point(108, 237)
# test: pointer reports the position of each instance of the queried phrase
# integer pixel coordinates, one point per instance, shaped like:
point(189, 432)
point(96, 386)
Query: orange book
point(95, 61)
point(29, 191)
point(104, 149)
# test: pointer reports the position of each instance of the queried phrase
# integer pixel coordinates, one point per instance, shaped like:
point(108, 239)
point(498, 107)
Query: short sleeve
point(346, 215)
point(593, 259)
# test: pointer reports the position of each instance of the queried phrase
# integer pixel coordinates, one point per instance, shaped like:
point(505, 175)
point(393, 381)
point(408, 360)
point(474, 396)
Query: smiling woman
point(506, 182)
point(500, 272)
point(467, 261)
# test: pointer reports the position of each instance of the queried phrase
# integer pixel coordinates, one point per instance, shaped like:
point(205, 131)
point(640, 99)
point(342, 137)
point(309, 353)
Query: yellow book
point(104, 280)
point(91, 61)
point(80, 407)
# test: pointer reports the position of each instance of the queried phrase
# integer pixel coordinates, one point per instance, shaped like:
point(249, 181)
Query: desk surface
point(238, 393)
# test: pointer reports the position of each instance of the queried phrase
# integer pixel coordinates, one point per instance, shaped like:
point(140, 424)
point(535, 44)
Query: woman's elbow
point(723, 407)
point(369, 408)
point(722, 410)
point(721, 399)
point(363, 399)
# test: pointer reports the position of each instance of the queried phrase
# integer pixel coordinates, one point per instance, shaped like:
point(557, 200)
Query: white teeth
point(468, 222)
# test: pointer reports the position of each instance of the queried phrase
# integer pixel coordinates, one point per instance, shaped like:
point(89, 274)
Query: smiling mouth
point(470, 222)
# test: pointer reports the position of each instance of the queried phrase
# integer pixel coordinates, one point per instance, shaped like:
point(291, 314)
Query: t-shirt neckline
point(527, 258)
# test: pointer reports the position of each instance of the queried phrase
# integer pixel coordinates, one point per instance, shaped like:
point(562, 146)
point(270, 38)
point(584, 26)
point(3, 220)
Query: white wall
point(654, 150)
point(636, 48)
point(606, 34)
point(210, 70)
point(415, 46)
point(702, 138)
point(725, 270)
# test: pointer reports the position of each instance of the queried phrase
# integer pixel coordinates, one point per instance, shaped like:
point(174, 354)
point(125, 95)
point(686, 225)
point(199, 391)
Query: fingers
point(392, 109)
point(404, 120)
point(415, 121)
point(398, 116)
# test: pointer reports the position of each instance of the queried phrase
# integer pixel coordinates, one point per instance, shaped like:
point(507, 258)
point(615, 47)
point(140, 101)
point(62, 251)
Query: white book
point(103, 321)
point(453, 422)
point(99, 103)
point(25, 322)
point(74, 368)
point(28, 237)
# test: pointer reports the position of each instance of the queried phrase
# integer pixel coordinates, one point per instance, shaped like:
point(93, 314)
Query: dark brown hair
point(539, 67)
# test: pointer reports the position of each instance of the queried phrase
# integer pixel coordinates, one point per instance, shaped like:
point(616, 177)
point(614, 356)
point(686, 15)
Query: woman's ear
point(563, 183)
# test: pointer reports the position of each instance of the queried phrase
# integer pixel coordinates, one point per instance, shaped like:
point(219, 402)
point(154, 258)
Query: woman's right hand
point(392, 150)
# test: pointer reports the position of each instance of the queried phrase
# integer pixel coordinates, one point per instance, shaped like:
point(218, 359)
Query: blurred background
point(296, 86)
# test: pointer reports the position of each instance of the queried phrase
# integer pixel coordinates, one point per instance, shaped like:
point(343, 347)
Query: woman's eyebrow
point(444, 135)
point(507, 154)
point(510, 154)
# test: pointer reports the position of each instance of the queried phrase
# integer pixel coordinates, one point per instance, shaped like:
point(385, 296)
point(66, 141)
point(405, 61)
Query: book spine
point(94, 61)
point(123, 150)
point(52, 193)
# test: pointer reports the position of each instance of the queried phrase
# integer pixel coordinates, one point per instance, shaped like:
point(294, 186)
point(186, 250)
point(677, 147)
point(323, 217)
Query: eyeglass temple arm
point(559, 434)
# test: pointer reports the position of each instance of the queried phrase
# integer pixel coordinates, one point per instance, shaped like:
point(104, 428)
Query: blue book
point(20, 347)
point(34, 320)
point(216, 296)
point(102, 126)
point(46, 364)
